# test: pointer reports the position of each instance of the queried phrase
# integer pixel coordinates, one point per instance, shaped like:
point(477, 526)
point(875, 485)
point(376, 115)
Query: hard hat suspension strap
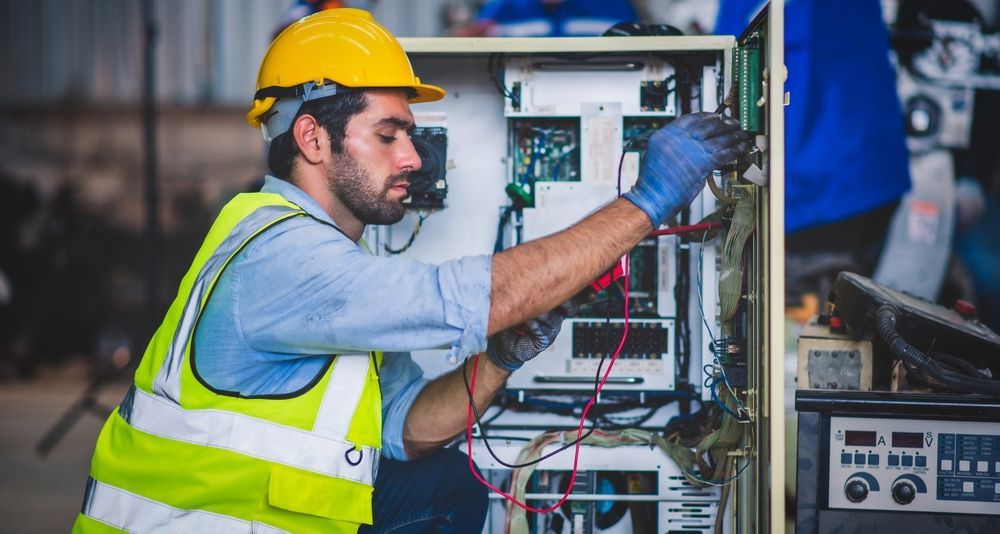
point(279, 118)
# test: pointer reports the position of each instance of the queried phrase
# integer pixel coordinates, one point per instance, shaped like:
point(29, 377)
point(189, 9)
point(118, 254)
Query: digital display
point(914, 440)
point(860, 438)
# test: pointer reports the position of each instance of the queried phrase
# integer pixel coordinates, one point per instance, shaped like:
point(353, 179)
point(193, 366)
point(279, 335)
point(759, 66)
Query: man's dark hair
point(332, 113)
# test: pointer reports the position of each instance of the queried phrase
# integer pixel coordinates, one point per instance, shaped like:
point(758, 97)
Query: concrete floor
point(44, 494)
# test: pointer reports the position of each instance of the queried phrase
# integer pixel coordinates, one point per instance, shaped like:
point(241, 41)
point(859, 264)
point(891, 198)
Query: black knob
point(903, 492)
point(856, 490)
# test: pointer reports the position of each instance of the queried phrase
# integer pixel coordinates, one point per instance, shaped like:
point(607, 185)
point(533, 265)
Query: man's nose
point(408, 159)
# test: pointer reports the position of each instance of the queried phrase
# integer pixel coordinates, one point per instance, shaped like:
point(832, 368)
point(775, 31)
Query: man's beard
point(365, 199)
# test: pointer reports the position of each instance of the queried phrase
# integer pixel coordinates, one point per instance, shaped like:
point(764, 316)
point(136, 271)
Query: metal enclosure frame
point(760, 495)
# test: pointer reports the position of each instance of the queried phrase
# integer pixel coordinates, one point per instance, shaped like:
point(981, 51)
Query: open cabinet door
point(751, 347)
point(759, 75)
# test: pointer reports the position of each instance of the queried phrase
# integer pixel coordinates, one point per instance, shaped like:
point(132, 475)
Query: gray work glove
point(510, 348)
point(679, 158)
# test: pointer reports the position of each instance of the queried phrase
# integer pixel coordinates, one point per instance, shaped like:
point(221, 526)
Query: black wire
point(501, 411)
point(633, 421)
point(482, 428)
point(504, 219)
point(512, 438)
point(682, 290)
point(597, 376)
point(409, 242)
point(493, 66)
point(486, 441)
point(957, 364)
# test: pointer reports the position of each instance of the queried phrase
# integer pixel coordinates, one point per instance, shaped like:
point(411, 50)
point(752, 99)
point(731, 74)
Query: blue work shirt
point(844, 136)
point(571, 18)
point(302, 290)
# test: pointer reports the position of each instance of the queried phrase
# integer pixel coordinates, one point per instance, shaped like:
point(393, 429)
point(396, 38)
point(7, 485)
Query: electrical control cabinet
point(539, 134)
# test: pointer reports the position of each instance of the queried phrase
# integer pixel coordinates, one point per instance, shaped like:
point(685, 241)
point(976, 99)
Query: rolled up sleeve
point(328, 295)
point(465, 289)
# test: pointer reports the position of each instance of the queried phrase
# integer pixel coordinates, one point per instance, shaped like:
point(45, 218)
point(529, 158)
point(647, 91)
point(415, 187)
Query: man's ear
point(311, 138)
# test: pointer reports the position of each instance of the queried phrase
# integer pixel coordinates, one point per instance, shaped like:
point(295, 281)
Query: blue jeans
point(434, 494)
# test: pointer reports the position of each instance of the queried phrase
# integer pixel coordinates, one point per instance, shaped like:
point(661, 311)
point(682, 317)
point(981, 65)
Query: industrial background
point(96, 229)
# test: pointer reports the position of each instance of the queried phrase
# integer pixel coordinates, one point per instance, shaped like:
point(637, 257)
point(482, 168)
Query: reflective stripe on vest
point(134, 513)
point(276, 443)
point(251, 436)
point(310, 476)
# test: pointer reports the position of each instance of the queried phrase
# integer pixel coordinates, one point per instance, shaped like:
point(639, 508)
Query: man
point(847, 165)
point(259, 403)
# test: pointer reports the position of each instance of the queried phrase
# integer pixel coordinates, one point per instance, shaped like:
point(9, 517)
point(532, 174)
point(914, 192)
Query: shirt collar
point(296, 196)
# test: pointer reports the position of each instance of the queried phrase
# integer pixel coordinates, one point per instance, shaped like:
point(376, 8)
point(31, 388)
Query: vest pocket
point(310, 493)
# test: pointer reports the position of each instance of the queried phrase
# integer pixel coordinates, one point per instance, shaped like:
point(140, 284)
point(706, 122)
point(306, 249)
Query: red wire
point(685, 229)
point(579, 430)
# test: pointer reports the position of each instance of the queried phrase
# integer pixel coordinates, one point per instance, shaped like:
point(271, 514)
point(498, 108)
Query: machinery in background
point(899, 416)
point(941, 65)
point(429, 186)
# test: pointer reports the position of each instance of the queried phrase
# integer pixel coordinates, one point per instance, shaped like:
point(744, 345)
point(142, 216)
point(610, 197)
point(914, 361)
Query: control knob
point(903, 492)
point(856, 490)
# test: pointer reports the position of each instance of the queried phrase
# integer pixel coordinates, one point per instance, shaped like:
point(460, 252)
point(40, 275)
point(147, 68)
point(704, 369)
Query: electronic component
point(882, 461)
point(544, 150)
point(913, 464)
point(749, 71)
point(644, 493)
point(428, 186)
point(558, 87)
point(646, 362)
point(647, 341)
point(637, 130)
point(644, 285)
point(654, 95)
point(921, 322)
point(901, 459)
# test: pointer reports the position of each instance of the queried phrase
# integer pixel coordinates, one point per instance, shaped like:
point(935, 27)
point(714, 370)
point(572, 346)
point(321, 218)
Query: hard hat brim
point(427, 93)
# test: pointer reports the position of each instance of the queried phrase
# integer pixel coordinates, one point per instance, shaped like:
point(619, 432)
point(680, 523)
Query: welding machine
point(918, 449)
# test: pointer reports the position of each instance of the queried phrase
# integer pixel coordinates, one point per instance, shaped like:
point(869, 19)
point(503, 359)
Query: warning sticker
point(923, 221)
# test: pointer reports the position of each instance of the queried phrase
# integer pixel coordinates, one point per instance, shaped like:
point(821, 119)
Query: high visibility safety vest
point(179, 456)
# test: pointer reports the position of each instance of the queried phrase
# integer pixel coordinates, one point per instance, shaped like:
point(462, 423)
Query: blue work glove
point(510, 348)
point(679, 158)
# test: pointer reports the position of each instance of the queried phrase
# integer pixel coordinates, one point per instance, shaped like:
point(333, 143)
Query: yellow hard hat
point(344, 46)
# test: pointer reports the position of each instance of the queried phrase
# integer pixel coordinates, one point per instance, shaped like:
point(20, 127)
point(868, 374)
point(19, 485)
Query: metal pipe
point(151, 189)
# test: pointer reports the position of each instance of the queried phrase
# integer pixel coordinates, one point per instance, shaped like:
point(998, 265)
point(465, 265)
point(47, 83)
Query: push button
point(893, 459)
point(845, 458)
point(859, 459)
point(946, 465)
point(964, 465)
point(907, 461)
point(921, 461)
point(872, 459)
